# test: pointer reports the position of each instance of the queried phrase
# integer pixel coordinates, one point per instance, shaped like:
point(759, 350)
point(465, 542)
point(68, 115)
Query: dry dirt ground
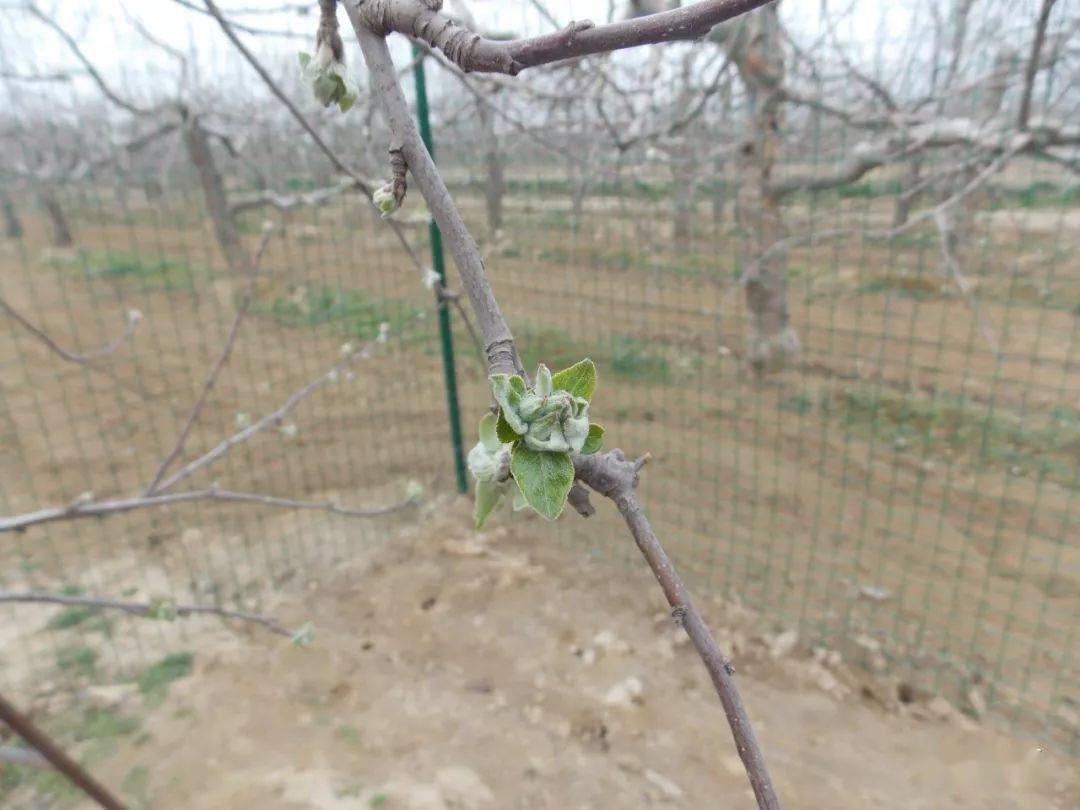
point(452, 669)
point(898, 458)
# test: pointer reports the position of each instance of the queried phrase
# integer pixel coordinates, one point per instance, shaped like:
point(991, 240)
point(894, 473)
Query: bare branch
point(89, 508)
point(944, 226)
point(287, 203)
point(99, 80)
point(361, 183)
point(498, 342)
point(247, 29)
point(273, 419)
point(163, 609)
point(611, 475)
point(40, 741)
point(241, 310)
point(1032, 68)
point(472, 52)
point(131, 322)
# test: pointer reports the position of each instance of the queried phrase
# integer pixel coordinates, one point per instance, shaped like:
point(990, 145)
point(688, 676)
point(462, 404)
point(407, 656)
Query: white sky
point(106, 35)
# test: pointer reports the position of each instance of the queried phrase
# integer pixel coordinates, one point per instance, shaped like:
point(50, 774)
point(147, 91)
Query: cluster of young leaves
point(329, 79)
point(531, 440)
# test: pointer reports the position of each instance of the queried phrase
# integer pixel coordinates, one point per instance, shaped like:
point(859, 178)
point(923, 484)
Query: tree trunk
point(61, 231)
point(13, 228)
point(213, 189)
point(758, 55)
point(906, 197)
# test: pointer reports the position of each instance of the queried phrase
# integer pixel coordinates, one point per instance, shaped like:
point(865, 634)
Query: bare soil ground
point(505, 670)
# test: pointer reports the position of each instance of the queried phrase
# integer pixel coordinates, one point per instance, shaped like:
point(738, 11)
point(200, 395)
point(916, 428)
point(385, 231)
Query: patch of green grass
point(800, 404)
point(623, 356)
point(136, 785)
point(77, 660)
point(1040, 444)
point(154, 681)
point(1037, 194)
point(353, 313)
point(349, 734)
point(69, 617)
point(379, 800)
point(160, 273)
point(100, 724)
point(636, 360)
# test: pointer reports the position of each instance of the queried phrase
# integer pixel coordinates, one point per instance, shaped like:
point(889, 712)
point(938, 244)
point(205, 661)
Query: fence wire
point(903, 491)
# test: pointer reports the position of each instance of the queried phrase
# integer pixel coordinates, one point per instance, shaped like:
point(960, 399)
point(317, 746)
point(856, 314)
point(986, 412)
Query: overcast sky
point(108, 37)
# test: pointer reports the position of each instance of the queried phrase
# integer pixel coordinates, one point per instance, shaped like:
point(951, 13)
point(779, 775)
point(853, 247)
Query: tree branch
point(81, 358)
point(148, 610)
point(215, 370)
point(611, 475)
point(89, 508)
point(472, 52)
point(1032, 68)
point(41, 742)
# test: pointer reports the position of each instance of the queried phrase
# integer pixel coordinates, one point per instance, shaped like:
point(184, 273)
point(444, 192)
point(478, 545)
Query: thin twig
point(613, 476)
point(366, 186)
point(81, 358)
point(155, 610)
point(211, 378)
point(89, 508)
point(47, 747)
point(953, 265)
point(607, 473)
point(272, 419)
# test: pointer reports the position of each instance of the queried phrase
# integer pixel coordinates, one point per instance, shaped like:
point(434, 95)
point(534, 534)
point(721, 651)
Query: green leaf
point(346, 101)
point(508, 391)
point(305, 59)
point(488, 435)
point(543, 478)
point(488, 494)
point(579, 379)
point(596, 438)
point(520, 502)
point(503, 431)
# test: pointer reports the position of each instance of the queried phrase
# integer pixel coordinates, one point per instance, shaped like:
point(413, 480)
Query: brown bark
point(197, 143)
point(61, 230)
point(757, 50)
point(13, 228)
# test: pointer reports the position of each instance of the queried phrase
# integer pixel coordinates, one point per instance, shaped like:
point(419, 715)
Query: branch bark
point(609, 474)
point(144, 609)
point(472, 52)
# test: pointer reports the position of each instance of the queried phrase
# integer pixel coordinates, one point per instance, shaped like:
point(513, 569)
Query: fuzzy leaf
point(503, 431)
point(488, 435)
point(508, 391)
point(594, 441)
point(543, 478)
point(520, 502)
point(579, 379)
point(488, 494)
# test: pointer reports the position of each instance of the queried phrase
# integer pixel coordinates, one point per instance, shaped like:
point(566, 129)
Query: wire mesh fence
point(903, 490)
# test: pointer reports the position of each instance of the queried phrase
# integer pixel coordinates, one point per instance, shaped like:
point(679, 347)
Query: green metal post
point(446, 338)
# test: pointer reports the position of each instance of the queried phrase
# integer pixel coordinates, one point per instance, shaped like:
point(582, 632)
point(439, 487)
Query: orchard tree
point(539, 441)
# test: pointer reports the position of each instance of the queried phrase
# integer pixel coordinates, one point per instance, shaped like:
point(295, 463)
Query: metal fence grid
point(904, 491)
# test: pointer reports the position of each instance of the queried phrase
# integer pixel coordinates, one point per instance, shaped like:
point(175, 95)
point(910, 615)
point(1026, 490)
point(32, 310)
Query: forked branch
point(609, 474)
